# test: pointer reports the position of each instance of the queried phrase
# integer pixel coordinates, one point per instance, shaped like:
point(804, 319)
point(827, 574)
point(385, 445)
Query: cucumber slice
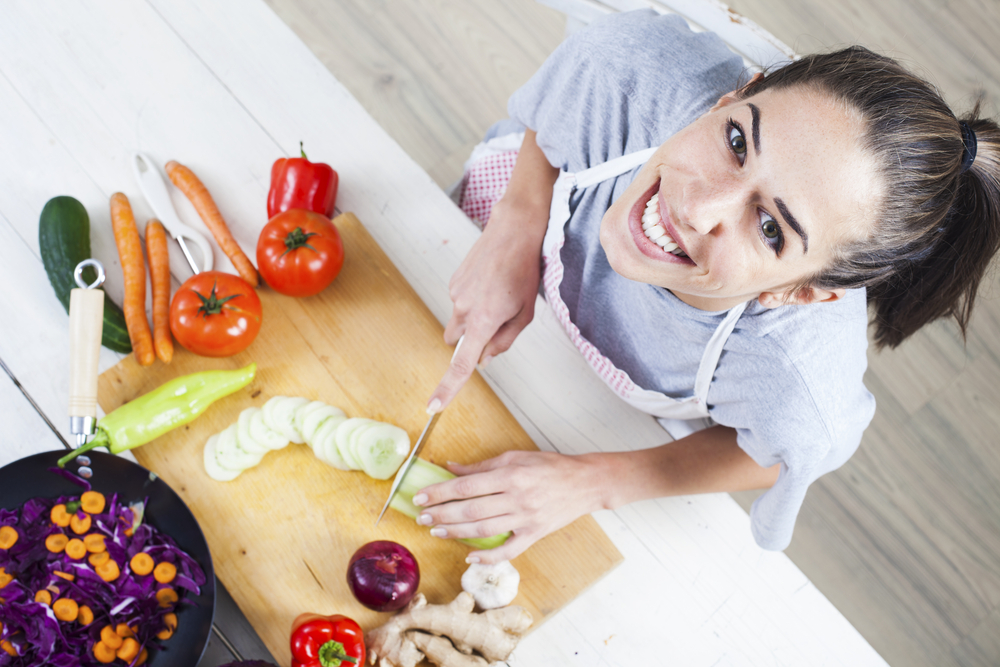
point(315, 419)
point(279, 414)
point(302, 412)
point(229, 454)
point(382, 449)
point(212, 467)
point(325, 443)
point(344, 432)
point(244, 438)
point(264, 434)
point(355, 438)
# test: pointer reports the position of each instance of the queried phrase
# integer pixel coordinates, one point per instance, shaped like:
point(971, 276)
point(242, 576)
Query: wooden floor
point(904, 539)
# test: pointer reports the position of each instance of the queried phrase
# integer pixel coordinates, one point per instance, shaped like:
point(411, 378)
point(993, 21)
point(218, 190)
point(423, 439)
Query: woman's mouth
point(652, 227)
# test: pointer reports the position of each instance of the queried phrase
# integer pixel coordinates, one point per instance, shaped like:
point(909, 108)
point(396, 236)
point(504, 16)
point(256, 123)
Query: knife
point(86, 323)
point(421, 441)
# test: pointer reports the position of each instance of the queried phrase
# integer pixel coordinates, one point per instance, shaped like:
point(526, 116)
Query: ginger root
point(493, 634)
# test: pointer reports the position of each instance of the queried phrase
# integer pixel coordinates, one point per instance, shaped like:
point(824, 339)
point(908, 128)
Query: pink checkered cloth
point(484, 183)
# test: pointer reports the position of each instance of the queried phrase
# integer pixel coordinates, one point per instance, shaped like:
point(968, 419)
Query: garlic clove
point(492, 586)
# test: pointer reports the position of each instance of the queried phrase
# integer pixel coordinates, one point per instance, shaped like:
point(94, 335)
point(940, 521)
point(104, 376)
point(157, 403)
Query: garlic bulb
point(492, 586)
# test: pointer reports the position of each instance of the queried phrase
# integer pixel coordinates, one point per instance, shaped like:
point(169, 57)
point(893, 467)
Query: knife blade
point(421, 441)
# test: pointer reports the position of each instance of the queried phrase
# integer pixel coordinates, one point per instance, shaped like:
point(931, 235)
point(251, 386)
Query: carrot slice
point(92, 502)
point(108, 570)
point(143, 656)
point(66, 609)
point(56, 542)
point(169, 626)
point(141, 563)
point(166, 597)
point(165, 572)
point(95, 543)
point(5, 578)
point(64, 575)
point(129, 650)
point(86, 615)
point(104, 653)
point(111, 638)
point(9, 648)
point(75, 549)
point(78, 525)
point(59, 515)
point(159, 278)
point(197, 193)
point(98, 558)
point(44, 597)
point(134, 271)
point(8, 537)
point(124, 631)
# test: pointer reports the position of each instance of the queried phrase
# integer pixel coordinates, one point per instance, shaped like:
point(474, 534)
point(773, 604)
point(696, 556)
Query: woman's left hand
point(531, 494)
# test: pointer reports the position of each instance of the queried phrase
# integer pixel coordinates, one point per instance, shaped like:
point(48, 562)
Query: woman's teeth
point(655, 231)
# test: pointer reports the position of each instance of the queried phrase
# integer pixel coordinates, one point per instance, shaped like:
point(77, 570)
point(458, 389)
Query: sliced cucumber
point(325, 443)
point(212, 467)
point(317, 418)
point(344, 432)
point(302, 412)
point(230, 455)
point(382, 448)
point(246, 441)
point(279, 414)
point(264, 434)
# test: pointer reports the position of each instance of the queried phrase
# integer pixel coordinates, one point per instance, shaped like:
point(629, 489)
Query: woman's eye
point(770, 230)
point(737, 141)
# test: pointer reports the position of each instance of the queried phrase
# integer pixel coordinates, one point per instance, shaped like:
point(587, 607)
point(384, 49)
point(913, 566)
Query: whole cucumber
point(64, 241)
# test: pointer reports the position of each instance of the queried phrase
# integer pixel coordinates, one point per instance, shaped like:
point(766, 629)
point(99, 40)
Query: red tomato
point(299, 252)
point(215, 314)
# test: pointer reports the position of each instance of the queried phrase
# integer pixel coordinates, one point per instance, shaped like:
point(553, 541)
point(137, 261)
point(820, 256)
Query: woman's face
point(753, 198)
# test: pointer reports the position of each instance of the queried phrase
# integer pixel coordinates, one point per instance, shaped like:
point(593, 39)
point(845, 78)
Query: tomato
point(215, 314)
point(299, 252)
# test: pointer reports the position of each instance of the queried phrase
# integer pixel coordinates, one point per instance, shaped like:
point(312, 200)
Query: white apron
point(680, 416)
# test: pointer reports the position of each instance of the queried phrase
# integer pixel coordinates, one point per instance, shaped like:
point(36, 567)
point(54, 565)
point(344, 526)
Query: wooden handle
point(86, 325)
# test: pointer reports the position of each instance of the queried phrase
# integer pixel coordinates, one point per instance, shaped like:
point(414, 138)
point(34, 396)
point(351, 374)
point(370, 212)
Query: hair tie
point(969, 139)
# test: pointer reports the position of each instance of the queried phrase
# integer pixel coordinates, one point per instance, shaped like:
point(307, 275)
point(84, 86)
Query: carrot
point(134, 270)
point(129, 650)
point(94, 543)
point(80, 526)
point(44, 597)
point(56, 542)
point(197, 193)
point(159, 279)
point(75, 549)
point(6, 578)
point(98, 558)
point(165, 572)
point(64, 575)
point(141, 563)
point(104, 653)
point(169, 625)
point(108, 570)
point(86, 616)
point(66, 609)
point(60, 516)
point(8, 537)
point(8, 647)
point(92, 502)
point(111, 638)
point(141, 660)
point(166, 597)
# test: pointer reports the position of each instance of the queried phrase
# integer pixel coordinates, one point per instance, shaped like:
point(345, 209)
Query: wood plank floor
point(905, 539)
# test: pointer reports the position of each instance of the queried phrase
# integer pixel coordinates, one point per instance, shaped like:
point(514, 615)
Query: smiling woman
point(711, 248)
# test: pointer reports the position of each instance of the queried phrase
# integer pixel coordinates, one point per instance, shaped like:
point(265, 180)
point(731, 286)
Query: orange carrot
point(166, 597)
point(169, 625)
point(56, 542)
point(86, 616)
point(59, 515)
point(129, 650)
point(64, 575)
point(7, 578)
point(44, 597)
point(66, 609)
point(75, 549)
point(104, 653)
point(197, 193)
point(108, 570)
point(165, 572)
point(94, 543)
point(92, 502)
point(9, 648)
point(80, 526)
point(141, 563)
point(143, 656)
point(124, 631)
point(98, 558)
point(134, 270)
point(111, 638)
point(8, 537)
point(159, 278)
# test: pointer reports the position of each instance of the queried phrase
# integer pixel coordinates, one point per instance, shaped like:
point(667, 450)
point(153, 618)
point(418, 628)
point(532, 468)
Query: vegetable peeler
point(154, 188)
point(86, 324)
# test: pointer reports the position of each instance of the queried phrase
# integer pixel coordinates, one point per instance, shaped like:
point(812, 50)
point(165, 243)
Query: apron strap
point(710, 358)
point(616, 167)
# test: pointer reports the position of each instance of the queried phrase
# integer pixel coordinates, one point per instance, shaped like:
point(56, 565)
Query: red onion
point(383, 575)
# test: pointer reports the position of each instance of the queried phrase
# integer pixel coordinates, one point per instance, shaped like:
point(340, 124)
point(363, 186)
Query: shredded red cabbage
point(32, 629)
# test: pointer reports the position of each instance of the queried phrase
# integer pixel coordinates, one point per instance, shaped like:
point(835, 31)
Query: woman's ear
point(800, 297)
point(733, 96)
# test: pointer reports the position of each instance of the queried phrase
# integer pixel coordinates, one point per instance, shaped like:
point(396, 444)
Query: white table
point(226, 88)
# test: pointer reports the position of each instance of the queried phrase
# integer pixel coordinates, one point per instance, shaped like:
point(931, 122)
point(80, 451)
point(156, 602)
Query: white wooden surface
point(226, 88)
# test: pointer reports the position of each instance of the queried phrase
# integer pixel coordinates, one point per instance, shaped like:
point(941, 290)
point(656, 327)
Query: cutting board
point(282, 533)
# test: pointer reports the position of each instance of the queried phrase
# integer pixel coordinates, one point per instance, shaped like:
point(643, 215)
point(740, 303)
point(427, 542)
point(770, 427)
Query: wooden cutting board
point(282, 533)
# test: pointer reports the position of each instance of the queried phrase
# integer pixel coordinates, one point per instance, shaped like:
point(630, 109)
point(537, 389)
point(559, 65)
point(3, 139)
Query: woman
point(712, 250)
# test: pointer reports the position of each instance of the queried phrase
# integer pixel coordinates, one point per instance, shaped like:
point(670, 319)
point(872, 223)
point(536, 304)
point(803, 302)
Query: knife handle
point(86, 324)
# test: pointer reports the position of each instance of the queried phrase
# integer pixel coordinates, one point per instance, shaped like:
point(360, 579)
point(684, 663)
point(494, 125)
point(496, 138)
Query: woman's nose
point(710, 204)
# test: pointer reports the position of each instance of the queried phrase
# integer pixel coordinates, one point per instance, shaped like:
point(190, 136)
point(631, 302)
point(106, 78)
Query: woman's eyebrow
point(793, 223)
point(755, 126)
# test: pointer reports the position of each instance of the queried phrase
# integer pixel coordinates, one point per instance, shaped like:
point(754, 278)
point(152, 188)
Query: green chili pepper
point(170, 405)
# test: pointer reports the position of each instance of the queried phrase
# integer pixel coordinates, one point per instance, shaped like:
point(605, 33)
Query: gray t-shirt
point(790, 378)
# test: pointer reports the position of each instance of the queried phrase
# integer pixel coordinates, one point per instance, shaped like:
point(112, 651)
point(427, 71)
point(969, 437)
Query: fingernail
point(485, 360)
point(439, 532)
point(434, 406)
point(419, 499)
point(472, 559)
point(451, 463)
point(425, 520)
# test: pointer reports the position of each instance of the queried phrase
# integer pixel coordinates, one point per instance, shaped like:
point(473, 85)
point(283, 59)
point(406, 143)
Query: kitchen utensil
point(154, 188)
point(30, 478)
point(86, 324)
point(421, 441)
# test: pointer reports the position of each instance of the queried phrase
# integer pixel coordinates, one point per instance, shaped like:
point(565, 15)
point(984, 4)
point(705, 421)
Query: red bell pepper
point(327, 641)
point(298, 183)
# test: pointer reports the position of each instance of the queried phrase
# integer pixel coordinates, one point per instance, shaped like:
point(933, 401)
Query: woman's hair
point(937, 226)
